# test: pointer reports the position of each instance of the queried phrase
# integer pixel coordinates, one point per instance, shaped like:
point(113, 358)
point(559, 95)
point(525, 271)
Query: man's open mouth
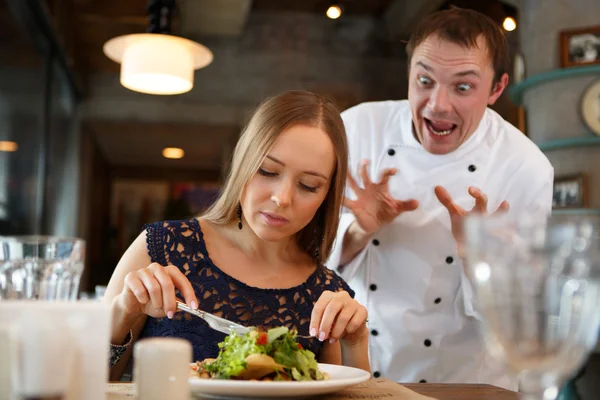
point(440, 128)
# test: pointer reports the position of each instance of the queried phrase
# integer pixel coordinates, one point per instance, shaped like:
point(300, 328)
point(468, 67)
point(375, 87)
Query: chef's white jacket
point(423, 320)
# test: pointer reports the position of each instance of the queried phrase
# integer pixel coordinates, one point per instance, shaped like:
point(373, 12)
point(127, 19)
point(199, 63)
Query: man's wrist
point(358, 233)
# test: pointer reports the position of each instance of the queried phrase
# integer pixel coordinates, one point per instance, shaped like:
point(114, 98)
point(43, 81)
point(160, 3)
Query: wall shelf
point(569, 142)
point(515, 92)
point(576, 211)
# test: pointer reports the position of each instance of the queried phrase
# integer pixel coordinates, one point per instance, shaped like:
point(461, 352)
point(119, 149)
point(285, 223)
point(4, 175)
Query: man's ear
point(498, 88)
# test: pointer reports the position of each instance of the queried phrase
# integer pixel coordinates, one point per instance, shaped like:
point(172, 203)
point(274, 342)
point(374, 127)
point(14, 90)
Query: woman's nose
point(283, 196)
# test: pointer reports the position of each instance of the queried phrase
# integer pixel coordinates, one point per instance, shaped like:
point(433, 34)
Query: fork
point(220, 324)
point(216, 323)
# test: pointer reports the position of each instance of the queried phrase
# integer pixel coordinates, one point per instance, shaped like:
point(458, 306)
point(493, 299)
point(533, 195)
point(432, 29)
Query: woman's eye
point(464, 87)
point(266, 173)
point(312, 189)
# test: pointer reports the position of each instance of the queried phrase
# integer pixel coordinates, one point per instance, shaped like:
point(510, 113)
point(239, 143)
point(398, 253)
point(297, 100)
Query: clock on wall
point(590, 107)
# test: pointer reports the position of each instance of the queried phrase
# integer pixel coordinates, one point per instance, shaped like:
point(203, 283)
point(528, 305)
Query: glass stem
point(533, 395)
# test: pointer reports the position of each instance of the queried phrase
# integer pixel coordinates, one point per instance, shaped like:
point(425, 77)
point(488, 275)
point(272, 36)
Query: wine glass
point(537, 286)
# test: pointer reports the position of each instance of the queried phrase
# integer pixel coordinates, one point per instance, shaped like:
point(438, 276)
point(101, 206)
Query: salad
point(258, 355)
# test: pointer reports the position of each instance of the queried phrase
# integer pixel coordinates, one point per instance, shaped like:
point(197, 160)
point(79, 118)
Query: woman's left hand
point(337, 316)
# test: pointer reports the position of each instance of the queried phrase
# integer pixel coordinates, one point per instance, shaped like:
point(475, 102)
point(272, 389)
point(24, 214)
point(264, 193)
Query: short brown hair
point(274, 116)
point(463, 26)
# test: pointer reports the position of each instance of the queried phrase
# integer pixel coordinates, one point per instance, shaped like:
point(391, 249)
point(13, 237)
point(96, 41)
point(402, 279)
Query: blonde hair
point(274, 116)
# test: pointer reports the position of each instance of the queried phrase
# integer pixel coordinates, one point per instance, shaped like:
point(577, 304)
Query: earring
point(239, 215)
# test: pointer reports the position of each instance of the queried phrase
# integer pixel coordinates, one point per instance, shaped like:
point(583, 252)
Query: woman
point(255, 256)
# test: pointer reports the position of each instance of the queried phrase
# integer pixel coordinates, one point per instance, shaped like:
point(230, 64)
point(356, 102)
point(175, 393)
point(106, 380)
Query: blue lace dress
point(181, 243)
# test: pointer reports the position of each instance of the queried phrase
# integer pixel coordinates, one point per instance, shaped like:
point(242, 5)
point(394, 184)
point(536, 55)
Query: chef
point(420, 165)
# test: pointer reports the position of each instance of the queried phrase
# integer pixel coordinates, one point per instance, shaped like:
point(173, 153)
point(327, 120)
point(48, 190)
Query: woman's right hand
point(374, 206)
point(151, 291)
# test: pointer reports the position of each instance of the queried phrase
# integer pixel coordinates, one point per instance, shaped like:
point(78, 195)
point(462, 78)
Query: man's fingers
point(389, 201)
point(503, 207)
point(385, 176)
point(481, 200)
point(444, 197)
point(349, 203)
point(364, 174)
point(407, 205)
point(353, 184)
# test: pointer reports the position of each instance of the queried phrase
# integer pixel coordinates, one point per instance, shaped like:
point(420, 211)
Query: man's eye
point(424, 80)
point(464, 87)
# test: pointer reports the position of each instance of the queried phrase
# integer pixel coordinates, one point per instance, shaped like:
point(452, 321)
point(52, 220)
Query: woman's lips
point(273, 219)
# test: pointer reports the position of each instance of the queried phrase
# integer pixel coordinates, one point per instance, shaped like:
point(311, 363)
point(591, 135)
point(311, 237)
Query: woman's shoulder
point(164, 238)
point(175, 226)
point(329, 280)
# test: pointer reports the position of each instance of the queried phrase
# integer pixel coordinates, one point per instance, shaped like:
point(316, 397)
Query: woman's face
point(291, 183)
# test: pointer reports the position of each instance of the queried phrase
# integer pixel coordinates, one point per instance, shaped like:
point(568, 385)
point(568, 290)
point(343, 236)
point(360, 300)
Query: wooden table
point(124, 391)
point(462, 391)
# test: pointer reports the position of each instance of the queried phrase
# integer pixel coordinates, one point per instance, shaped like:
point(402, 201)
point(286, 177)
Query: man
point(431, 161)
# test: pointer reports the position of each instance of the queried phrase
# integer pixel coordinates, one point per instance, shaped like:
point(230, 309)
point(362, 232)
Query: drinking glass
point(537, 286)
point(40, 267)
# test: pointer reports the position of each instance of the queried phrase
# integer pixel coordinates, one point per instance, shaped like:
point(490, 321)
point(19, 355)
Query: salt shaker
point(43, 346)
point(8, 362)
point(162, 368)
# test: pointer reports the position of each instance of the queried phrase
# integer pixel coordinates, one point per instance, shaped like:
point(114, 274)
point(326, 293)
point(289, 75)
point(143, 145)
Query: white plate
point(340, 377)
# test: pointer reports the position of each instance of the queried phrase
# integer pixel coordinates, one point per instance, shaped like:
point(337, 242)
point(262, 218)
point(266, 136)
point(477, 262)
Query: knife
point(217, 323)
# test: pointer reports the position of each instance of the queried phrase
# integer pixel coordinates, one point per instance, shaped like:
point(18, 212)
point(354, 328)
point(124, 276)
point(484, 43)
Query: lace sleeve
point(155, 242)
point(330, 280)
point(342, 285)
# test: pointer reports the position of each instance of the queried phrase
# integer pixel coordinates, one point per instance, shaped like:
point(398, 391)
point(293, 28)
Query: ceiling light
point(155, 63)
point(334, 11)
point(8, 146)
point(509, 24)
point(158, 62)
point(174, 153)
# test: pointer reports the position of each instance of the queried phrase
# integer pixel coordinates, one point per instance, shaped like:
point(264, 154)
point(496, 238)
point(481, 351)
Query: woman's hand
point(151, 291)
point(337, 316)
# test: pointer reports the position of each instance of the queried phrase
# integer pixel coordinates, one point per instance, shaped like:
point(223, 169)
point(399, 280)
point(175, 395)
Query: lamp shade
point(156, 63)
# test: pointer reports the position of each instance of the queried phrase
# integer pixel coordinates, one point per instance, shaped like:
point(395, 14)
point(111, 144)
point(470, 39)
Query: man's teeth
point(440, 132)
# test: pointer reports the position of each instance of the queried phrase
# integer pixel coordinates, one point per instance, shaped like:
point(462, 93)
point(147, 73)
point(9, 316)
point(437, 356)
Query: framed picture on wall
point(570, 192)
point(580, 47)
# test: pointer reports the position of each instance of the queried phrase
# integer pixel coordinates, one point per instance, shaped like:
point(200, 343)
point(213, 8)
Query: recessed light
point(334, 12)
point(509, 24)
point(172, 152)
point(8, 146)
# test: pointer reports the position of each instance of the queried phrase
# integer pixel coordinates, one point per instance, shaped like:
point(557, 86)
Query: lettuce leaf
point(280, 344)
